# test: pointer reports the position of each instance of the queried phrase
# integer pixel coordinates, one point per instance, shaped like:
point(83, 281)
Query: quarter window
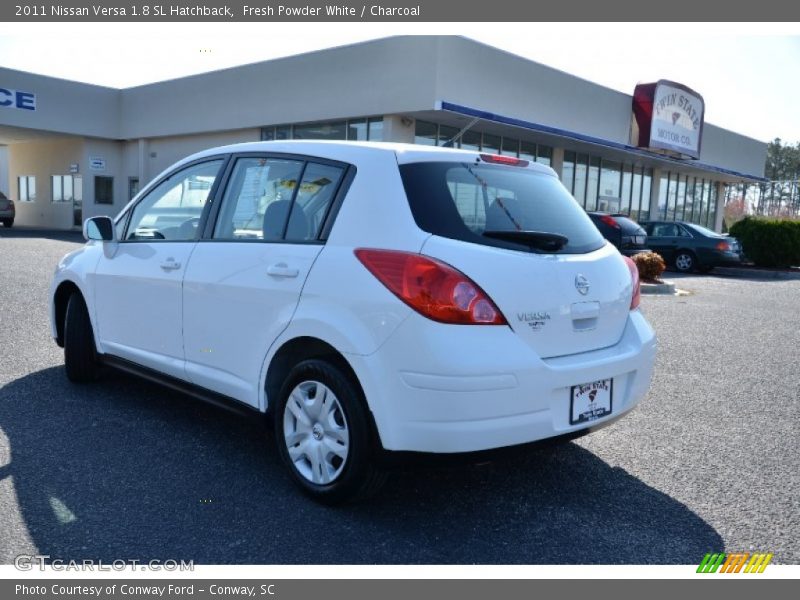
point(172, 210)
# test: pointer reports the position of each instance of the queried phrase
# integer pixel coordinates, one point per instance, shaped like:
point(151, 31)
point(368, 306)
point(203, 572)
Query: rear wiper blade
point(541, 240)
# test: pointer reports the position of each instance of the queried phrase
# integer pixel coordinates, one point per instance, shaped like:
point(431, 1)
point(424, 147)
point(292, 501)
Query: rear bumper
point(451, 389)
point(718, 258)
point(633, 250)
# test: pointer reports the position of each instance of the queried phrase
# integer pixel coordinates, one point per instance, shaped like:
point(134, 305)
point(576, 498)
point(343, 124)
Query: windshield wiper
point(541, 240)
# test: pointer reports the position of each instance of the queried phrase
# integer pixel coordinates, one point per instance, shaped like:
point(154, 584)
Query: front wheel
point(322, 428)
point(80, 354)
point(685, 261)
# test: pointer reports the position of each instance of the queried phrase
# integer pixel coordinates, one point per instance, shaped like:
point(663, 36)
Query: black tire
point(8, 223)
point(358, 477)
point(80, 353)
point(685, 261)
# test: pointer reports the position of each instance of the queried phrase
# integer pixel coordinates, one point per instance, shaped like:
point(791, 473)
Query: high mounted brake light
point(504, 160)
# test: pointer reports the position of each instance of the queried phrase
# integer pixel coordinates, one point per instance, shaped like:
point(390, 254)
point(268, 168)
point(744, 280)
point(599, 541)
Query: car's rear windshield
point(703, 230)
point(627, 225)
point(462, 201)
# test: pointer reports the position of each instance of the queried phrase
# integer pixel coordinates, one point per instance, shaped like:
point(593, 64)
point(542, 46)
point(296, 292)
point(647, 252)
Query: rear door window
point(464, 201)
point(277, 199)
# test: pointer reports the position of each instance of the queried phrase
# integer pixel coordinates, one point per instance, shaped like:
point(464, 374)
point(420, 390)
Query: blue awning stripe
point(488, 116)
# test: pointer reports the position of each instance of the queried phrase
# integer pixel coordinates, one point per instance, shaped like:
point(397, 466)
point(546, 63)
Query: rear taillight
point(637, 292)
point(609, 221)
point(724, 246)
point(498, 159)
point(432, 288)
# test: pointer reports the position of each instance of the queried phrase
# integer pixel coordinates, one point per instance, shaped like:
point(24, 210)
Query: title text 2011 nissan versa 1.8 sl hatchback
point(369, 297)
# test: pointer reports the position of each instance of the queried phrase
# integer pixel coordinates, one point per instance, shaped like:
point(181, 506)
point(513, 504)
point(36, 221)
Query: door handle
point(282, 270)
point(170, 265)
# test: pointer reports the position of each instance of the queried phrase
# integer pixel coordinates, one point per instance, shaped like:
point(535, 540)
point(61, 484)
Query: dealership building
point(70, 150)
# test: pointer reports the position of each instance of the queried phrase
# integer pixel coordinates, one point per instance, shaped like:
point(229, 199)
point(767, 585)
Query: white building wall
point(162, 152)
point(43, 159)
point(4, 181)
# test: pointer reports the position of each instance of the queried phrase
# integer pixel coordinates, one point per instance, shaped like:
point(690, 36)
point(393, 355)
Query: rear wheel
point(8, 222)
point(685, 261)
point(80, 354)
point(322, 429)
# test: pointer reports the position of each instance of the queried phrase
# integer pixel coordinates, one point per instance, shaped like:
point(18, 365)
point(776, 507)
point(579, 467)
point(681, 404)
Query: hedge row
point(769, 242)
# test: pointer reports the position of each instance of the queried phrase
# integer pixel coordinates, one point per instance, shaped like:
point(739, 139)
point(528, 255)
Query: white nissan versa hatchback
point(370, 297)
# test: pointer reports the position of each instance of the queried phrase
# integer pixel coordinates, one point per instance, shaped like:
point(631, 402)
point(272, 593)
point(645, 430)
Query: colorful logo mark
point(735, 562)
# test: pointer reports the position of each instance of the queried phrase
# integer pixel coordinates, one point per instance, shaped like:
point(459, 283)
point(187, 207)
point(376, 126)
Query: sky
point(749, 75)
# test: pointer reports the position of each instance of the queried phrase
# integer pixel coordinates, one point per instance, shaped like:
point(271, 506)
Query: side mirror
point(99, 228)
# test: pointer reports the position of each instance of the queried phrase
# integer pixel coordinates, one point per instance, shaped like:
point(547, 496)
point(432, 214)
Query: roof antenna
point(450, 143)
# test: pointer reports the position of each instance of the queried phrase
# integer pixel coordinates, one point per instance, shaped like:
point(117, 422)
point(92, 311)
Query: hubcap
point(683, 262)
point(315, 432)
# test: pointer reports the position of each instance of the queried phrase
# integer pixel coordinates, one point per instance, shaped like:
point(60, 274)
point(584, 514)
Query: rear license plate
point(638, 239)
point(590, 401)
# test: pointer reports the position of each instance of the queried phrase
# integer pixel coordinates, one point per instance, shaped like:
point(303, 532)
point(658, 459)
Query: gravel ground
point(123, 469)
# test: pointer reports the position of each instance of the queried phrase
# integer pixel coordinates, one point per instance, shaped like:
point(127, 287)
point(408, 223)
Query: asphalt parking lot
point(123, 469)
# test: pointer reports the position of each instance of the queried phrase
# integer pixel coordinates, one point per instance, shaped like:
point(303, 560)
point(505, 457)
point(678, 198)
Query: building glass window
point(544, 155)
point(510, 147)
point(103, 189)
point(55, 184)
point(647, 184)
point(703, 208)
point(375, 132)
point(581, 168)
point(592, 183)
point(471, 140)
point(636, 193)
point(625, 204)
point(680, 197)
point(26, 188)
point(330, 130)
point(568, 171)
point(62, 188)
point(491, 143)
point(688, 206)
point(697, 209)
point(425, 133)
point(610, 191)
point(357, 130)
point(133, 187)
point(447, 136)
point(712, 205)
point(527, 151)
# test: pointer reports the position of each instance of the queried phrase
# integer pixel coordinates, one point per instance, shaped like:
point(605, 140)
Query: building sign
point(17, 99)
point(97, 163)
point(668, 117)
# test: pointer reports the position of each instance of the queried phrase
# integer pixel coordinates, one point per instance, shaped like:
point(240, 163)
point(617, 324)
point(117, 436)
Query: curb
point(756, 273)
point(658, 288)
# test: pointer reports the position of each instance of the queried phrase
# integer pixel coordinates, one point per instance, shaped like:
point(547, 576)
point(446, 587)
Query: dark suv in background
point(7, 211)
point(627, 235)
point(689, 247)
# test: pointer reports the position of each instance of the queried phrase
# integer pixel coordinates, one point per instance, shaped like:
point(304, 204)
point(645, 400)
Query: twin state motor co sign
point(668, 117)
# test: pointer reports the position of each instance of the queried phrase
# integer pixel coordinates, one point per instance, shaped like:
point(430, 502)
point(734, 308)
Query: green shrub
point(650, 265)
point(769, 242)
